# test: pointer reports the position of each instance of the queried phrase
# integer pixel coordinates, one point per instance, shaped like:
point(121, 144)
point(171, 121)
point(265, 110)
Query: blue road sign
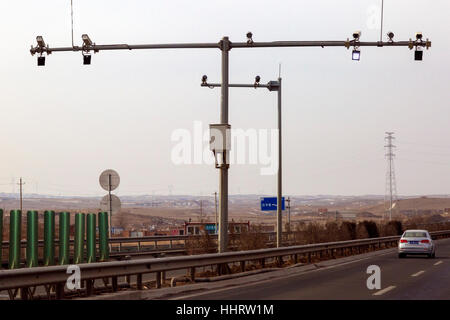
point(270, 204)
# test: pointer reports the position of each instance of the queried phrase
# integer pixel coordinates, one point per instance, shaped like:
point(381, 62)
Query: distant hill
point(422, 203)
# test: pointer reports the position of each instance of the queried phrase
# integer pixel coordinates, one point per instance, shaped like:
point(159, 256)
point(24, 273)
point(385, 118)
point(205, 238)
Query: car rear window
point(415, 235)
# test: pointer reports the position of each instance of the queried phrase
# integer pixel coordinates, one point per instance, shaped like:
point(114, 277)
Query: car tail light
point(403, 241)
point(425, 241)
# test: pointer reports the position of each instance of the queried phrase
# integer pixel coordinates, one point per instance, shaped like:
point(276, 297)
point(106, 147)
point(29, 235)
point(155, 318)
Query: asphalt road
point(414, 277)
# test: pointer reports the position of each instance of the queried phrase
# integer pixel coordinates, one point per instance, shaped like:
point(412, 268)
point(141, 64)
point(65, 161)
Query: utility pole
point(279, 178)
point(21, 183)
point(289, 212)
point(390, 175)
point(225, 45)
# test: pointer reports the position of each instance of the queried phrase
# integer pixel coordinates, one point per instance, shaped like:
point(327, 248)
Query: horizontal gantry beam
point(348, 43)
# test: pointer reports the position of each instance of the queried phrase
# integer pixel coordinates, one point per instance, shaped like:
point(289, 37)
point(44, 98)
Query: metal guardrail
point(148, 239)
point(57, 275)
point(124, 246)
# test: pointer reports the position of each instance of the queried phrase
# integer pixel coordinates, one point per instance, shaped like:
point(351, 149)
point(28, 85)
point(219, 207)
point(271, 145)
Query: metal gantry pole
point(271, 86)
point(223, 179)
point(280, 172)
point(225, 45)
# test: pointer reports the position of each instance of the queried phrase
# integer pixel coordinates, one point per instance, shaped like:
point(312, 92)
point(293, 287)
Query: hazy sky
point(63, 124)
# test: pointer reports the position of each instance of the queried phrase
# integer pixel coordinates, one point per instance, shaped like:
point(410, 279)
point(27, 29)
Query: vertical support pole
point(64, 233)
point(49, 238)
point(279, 186)
point(80, 232)
point(280, 261)
point(89, 287)
point(24, 293)
point(114, 284)
point(91, 238)
point(59, 288)
point(103, 234)
point(192, 274)
point(15, 236)
point(223, 178)
point(32, 239)
point(242, 266)
point(158, 279)
point(139, 281)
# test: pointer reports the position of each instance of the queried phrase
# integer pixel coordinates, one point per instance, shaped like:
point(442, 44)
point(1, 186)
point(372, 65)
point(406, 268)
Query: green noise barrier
point(49, 238)
point(103, 234)
point(80, 232)
point(32, 239)
point(64, 238)
point(15, 236)
point(91, 238)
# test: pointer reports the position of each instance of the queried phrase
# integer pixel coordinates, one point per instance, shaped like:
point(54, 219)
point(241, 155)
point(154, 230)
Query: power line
point(71, 15)
point(381, 25)
point(391, 185)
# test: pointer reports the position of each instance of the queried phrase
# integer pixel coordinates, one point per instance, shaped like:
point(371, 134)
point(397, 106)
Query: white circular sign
point(109, 180)
point(114, 205)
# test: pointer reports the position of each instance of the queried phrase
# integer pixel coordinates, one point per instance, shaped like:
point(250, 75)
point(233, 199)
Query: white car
point(416, 242)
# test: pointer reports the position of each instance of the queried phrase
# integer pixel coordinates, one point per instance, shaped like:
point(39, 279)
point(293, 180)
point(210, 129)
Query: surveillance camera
point(40, 41)
point(419, 35)
point(204, 78)
point(356, 35)
point(257, 79)
point(249, 37)
point(86, 40)
point(390, 35)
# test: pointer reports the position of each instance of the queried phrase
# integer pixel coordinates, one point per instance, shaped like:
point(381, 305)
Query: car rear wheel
point(401, 255)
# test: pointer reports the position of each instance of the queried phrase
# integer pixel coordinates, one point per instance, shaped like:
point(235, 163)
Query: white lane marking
point(383, 291)
point(438, 263)
point(417, 273)
point(253, 283)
